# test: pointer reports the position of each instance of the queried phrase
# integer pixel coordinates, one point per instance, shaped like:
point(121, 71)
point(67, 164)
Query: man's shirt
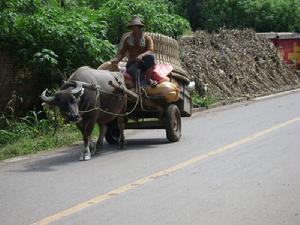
point(136, 47)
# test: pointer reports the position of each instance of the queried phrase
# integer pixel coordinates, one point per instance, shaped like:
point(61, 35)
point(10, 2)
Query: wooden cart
point(154, 111)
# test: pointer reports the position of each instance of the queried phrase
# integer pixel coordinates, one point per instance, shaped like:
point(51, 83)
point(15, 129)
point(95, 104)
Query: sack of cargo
point(167, 89)
point(159, 72)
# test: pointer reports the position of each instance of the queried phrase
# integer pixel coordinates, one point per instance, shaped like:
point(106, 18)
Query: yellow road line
point(140, 182)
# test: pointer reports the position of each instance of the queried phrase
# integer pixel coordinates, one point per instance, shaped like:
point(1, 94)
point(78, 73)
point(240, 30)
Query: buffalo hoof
point(85, 157)
point(122, 145)
point(98, 149)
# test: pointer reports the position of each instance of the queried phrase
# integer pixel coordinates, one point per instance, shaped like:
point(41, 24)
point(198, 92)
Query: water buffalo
point(92, 96)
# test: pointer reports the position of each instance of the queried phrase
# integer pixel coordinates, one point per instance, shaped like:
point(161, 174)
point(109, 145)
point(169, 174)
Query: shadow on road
point(53, 160)
point(133, 145)
point(142, 144)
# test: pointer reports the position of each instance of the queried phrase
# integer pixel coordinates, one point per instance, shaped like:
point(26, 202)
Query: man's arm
point(121, 53)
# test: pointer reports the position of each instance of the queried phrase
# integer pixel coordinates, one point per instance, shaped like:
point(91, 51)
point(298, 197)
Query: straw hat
point(135, 21)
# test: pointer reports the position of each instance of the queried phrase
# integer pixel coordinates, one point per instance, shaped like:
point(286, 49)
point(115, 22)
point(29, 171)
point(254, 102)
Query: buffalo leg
point(86, 132)
point(86, 153)
point(99, 146)
point(121, 125)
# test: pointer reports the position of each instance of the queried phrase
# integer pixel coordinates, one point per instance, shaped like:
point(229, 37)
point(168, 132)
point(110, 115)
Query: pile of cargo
point(232, 64)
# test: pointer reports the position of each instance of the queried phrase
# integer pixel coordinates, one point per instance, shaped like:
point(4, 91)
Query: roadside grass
point(202, 101)
point(36, 132)
point(29, 145)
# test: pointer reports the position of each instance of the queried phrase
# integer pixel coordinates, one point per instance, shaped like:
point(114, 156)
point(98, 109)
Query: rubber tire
point(113, 133)
point(173, 123)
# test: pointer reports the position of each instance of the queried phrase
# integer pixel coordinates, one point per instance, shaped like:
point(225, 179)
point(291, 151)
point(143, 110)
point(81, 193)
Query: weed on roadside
point(202, 101)
point(34, 132)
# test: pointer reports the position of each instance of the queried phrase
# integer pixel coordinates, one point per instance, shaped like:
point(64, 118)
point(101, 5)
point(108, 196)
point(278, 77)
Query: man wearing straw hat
point(139, 47)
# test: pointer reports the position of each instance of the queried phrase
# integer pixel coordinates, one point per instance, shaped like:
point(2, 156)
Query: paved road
point(236, 165)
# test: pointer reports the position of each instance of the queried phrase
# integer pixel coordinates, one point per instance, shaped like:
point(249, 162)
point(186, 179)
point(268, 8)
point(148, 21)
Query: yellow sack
point(167, 89)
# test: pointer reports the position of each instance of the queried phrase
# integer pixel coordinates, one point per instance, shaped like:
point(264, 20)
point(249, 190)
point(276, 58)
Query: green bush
point(202, 101)
point(154, 13)
point(30, 126)
point(263, 16)
point(77, 37)
point(54, 39)
point(271, 15)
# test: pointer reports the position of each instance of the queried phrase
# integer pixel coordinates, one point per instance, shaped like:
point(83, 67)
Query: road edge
point(220, 105)
point(243, 100)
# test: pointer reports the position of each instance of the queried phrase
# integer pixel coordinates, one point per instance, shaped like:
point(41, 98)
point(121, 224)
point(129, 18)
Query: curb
point(246, 99)
point(260, 98)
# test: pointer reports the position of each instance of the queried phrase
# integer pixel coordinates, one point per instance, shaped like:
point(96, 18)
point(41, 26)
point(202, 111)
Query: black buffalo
point(88, 97)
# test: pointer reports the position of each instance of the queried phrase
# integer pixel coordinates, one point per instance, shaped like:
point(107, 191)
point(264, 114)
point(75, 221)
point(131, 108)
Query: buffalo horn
point(45, 98)
point(78, 88)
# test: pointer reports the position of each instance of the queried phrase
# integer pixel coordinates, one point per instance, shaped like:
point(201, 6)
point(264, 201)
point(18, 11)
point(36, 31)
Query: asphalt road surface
point(235, 165)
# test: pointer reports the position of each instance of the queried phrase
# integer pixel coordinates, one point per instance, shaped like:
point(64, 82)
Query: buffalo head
point(66, 100)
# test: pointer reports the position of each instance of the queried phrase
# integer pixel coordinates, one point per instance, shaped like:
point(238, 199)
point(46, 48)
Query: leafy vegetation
point(202, 101)
point(56, 37)
point(27, 145)
point(73, 37)
point(33, 133)
point(154, 13)
point(263, 16)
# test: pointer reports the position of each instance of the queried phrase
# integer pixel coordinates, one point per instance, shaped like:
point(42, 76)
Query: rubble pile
point(232, 64)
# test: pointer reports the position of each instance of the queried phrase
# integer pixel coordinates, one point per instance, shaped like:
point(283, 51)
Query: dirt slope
point(234, 64)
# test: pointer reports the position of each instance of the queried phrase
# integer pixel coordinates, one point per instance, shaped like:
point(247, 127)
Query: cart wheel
point(113, 133)
point(173, 123)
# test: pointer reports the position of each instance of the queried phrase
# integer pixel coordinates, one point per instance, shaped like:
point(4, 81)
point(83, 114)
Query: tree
point(155, 14)
point(263, 16)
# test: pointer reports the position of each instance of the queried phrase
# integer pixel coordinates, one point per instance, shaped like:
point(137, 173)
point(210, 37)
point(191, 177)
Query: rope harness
point(98, 99)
